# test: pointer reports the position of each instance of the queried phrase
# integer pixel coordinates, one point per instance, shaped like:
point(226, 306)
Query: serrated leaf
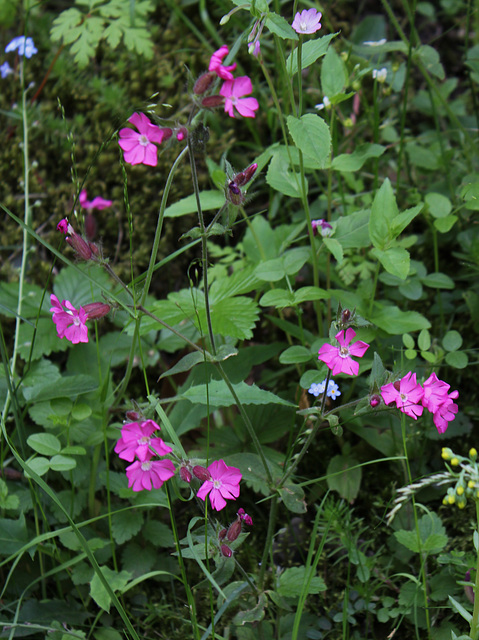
point(352, 231)
point(125, 525)
point(139, 41)
point(333, 74)
point(312, 136)
point(13, 535)
point(252, 615)
point(292, 582)
point(334, 247)
point(68, 387)
point(63, 24)
point(279, 26)
point(395, 260)
point(117, 582)
point(280, 177)
point(219, 395)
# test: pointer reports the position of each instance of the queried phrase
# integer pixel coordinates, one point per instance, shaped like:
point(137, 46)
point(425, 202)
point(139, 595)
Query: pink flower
point(406, 393)
point(307, 21)
point(446, 412)
point(70, 322)
point(244, 516)
point(339, 358)
point(321, 226)
point(147, 473)
point(96, 203)
point(435, 393)
point(64, 227)
point(217, 66)
point(136, 441)
point(223, 485)
point(139, 147)
point(233, 90)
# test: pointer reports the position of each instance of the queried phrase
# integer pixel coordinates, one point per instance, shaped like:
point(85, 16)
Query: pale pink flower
point(148, 474)
point(139, 147)
point(136, 441)
point(407, 393)
point(217, 66)
point(223, 485)
point(233, 90)
point(96, 203)
point(70, 322)
point(339, 358)
point(308, 21)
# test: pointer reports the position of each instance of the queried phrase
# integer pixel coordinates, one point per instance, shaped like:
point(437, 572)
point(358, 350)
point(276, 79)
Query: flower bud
point(181, 134)
point(201, 473)
point(134, 416)
point(234, 530)
point(90, 227)
point(243, 177)
point(397, 385)
point(212, 101)
point(234, 194)
point(80, 246)
point(203, 83)
point(245, 517)
point(185, 474)
point(472, 453)
point(345, 316)
point(63, 226)
point(374, 400)
point(222, 534)
point(96, 310)
point(226, 551)
point(167, 133)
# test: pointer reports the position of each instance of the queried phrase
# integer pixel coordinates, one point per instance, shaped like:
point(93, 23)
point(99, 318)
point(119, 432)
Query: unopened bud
point(181, 134)
point(134, 416)
point(397, 385)
point(96, 310)
point(212, 101)
point(222, 534)
point(245, 517)
point(345, 316)
point(63, 226)
point(80, 246)
point(203, 83)
point(375, 400)
point(234, 194)
point(243, 177)
point(234, 530)
point(167, 132)
point(201, 473)
point(185, 475)
point(226, 551)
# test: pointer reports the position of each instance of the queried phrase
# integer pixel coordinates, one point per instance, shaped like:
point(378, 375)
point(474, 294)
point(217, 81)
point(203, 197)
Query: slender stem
point(475, 614)
point(269, 539)
point(373, 292)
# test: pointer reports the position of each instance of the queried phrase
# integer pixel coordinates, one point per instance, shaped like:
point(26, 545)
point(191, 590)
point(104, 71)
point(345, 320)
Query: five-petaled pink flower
point(339, 358)
point(233, 92)
point(70, 322)
point(223, 485)
point(96, 203)
point(407, 393)
point(446, 412)
point(217, 66)
point(139, 147)
point(148, 474)
point(308, 21)
point(136, 441)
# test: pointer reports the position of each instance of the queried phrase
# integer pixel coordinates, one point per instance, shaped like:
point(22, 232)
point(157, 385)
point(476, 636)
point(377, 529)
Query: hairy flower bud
point(234, 194)
point(345, 316)
point(80, 246)
point(234, 530)
point(243, 177)
point(245, 517)
point(96, 310)
point(203, 83)
point(374, 400)
point(201, 473)
point(222, 534)
point(167, 133)
point(212, 101)
point(185, 474)
point(226, 551)
point(181, 134)
point(133, 416)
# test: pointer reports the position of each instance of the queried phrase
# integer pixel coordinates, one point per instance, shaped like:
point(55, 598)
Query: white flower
point(375, 43)
point(325, 104)
point(380, 74)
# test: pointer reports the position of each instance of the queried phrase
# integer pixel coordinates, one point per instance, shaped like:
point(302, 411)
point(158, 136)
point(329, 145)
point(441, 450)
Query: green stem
point(373, 292)
point(475, 614)
point(269, 539)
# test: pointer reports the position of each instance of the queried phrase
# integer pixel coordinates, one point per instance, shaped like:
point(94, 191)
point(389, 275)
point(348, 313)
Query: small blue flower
point(333, 390)
point(5, 70)
point(25, 46)
point(317, 389)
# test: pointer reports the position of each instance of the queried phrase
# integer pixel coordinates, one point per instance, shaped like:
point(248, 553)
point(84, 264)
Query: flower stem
point(475, 614)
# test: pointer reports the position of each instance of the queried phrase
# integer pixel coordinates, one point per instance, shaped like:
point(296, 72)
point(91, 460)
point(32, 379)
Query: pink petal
point(140, 121)
point(226, 89)
point(151, 155)
point(247, 107)
point(242, 86)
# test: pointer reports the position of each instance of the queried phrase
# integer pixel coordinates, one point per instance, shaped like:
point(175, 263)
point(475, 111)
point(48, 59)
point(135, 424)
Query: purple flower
point(24, 46)
point(308, 21)
point(325, 229)
point(223, 484)
point(338, 359)
point(139, 147)
point(5, 70)
point(233, 92)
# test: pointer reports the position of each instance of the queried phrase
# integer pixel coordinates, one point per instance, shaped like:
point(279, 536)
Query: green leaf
point(252, 615)
point(39, 465)
point(64, 23)
point(438, 205)
point(342, 479)
point(333, 74)
point(452, 341)
point(208, 200)
point(66, 387)
point(220, 395)
point(278, 298)
point(408, 341)
point(396, 322)
point(395, 260)
point(13, 535)
point(401, 221)
point(335, 248)
point(271, 270)
point(306, 294)
point(158, 533)
point(62, 463)
point(46, 340)
point(125, 525)
point(432, 535)
point(139, 41)
point(438, 281)
point(429, 57)
point(311, 135)
point(45, 443)
point(254, 474)
point(460, 610)
point(352, 231)
point(355, 160)
point(293, 498)
point(117, 582)
point(445, 224)
point(311, 51)
point(295, 354)
point(279, 26)
point(424, 340)
point(281, 178)
point(457, 359)
point(293, 581)
point(383, 211)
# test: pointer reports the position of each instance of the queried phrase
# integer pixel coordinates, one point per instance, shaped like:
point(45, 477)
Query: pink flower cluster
point(233, 89)
point(411, 398)
point(338, 359)
point(137, 442)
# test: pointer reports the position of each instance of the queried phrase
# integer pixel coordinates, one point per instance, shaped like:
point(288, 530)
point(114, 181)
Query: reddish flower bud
point(203, 83)
point(226, 551)
point(201, 473)
point(212, 101)
point(134, 416)
point(397, 385)
point(96, 310)
point(243, 177)
point(234, 530)
point(181, 134)
point(80, 246)
point(375, 400)
point(90, 226)
point(167, 133)
point(63, 226)
point(234, 194)
point(245, 517)
point(222, 534)
point(345, 316)
point(185, 475)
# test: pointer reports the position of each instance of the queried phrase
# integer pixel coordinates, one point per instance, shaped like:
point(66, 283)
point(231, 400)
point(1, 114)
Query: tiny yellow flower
point(451, 499)
point(454, 462)
point(446, 453)
point(461, 504)
point(472, 453)
point(471, 484)
point(460, 490)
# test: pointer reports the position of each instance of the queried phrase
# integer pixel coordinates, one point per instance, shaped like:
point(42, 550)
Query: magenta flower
point(139, 147)
point(446, 412)
point(233, 90)
point(223, 485)
point(136, 441)
point(96, 203)
point(245, 517)
point(217, 66)
point(70, 322)
point(406, 393)
point(308, 21)
point(321, 226)
point(148, 474)
point(64, 226)
point(435, 393)
point(339, 358)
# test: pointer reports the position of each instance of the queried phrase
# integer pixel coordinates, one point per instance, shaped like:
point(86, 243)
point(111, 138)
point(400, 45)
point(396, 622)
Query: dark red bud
point(234, 194)
point(185, 475)
point(375, 400)
point(134, 416)
point(226, 551)
point(80, 246)
point(203, 83)
point(243, 177)
point(222, 534)
point(167, 132)
point(212, 101)
point(234, 530)
point(397, 385)
point(96, 310)
point(201, 473)
point(181, 134)
point(346, 315)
